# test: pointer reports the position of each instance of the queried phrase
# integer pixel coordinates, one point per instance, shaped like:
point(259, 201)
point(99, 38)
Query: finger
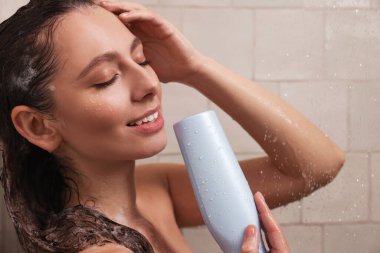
point(137, 15)
point(250, 241)
point(120, 7)
point(274, 234)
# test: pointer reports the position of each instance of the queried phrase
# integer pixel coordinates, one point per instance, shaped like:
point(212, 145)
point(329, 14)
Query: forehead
point(88, 32)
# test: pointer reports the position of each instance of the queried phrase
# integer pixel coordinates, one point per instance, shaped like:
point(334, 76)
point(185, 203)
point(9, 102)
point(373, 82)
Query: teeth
point(150, 118)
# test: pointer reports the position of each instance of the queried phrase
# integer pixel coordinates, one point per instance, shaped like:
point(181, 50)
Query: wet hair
point(35, 188)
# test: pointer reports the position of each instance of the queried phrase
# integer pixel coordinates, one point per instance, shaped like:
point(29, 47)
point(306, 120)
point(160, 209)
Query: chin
point(153, 148)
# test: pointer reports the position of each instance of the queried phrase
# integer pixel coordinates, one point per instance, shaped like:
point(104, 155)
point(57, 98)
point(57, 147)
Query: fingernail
point(251, 232)
point(261, 196)
point(124, 14)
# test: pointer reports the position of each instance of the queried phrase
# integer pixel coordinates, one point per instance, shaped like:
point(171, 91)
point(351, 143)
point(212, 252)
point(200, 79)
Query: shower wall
point(323, 57)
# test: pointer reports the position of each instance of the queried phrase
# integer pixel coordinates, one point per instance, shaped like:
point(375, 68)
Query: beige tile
point(304, 239)
point(352, 44)
point(146, 1)
point(352, 238)
point(289, 44)
point(288, 214)
point(260, 3)
point(364, 116)
point(175, 158)
point(343, 200)
point(9, 7)
point(375, 186)
point(179, 101)
point(196, 2)
point(338, 3)
point(375, 3)
point(323, 103)
point(200, 240)
point(9, 236)
point(153, 159)
point(173, 15)
point(230, 43)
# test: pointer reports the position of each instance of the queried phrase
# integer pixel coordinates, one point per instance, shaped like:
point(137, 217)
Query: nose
point(144, 83)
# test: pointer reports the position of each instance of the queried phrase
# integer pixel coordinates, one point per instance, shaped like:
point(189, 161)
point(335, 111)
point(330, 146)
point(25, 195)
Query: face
point(103, 84)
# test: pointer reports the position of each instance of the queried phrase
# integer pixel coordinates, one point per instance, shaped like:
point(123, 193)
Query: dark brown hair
point(35, 189)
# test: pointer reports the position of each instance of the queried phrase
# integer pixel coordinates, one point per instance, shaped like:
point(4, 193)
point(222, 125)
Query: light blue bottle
point(221, 190)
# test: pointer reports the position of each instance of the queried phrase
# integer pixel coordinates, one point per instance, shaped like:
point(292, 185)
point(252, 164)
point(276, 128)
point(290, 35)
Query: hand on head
point(170, 54)
point(274, 236)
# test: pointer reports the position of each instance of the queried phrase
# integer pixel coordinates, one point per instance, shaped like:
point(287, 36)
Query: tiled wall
point(323, 57)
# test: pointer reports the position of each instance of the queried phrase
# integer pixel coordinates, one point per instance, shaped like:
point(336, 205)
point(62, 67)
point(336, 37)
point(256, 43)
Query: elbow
point(334, 166)
point(328, 171)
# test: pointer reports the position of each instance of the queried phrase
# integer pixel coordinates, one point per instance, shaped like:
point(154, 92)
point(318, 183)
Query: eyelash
point(105, 84)
point(144, 63)
point(114, 78)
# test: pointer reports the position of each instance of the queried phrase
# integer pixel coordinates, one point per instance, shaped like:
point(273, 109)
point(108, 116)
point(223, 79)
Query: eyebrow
point(107, 57)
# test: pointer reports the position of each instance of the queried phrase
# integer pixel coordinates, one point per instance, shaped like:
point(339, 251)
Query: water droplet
point(196, 131)
point(209, 216)
point(188, 144)
point(184, 128)
point(357, 180)
point(308, 56)
point(356, 11)
point(287, 54)
point(360, 65)
point(201, 158)
point(285, 94)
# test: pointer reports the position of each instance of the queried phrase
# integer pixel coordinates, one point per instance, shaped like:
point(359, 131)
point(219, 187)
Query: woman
point(81, 101)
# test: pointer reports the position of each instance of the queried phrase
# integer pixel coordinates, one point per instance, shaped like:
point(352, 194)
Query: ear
point(36, 128)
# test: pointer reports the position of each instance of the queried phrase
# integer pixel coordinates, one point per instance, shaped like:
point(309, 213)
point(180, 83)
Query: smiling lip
point(149, 127)
point(148, 113)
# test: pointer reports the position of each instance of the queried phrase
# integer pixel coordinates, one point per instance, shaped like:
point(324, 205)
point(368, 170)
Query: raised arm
point(300, 157)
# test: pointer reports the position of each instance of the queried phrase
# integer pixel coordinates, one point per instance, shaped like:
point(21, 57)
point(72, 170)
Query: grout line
point(349, 127)
point(323, 239)
point(370, 203)
point(324, 41)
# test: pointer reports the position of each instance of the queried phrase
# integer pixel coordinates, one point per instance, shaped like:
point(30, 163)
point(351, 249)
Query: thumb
point(250, 241)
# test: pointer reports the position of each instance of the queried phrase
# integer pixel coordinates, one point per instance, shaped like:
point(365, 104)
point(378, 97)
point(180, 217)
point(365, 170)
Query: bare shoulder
point(108, 248)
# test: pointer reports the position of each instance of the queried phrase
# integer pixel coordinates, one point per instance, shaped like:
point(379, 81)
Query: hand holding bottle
point(274, 236)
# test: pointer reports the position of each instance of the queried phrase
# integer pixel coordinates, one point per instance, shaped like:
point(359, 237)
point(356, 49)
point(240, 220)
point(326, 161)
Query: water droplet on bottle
point(209, 216)
point(189, 144)
point(196, 131)
point(201, 158)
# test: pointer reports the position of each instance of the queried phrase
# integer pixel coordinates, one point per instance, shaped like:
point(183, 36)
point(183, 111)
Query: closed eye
point(105, 84)
point(144, 63)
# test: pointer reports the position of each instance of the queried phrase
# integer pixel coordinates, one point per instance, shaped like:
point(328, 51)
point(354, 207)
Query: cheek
point(95, 112)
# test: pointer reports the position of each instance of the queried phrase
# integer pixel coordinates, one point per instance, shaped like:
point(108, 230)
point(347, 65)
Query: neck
point(108, 188)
